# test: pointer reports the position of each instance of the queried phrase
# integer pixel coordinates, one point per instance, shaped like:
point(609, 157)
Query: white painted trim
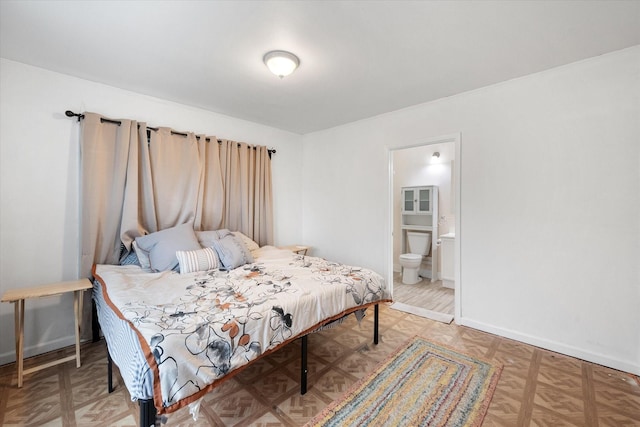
point(39, 348)
point(626, 366)
point(455, 138)
point(423, 312)
point(388, 227)
point(457, 262)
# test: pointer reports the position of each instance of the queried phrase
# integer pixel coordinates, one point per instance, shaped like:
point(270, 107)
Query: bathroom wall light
point(281, 63)
point(435, 158)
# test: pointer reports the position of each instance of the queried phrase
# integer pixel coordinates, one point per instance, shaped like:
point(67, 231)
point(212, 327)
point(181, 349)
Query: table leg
point(19, 326)
point(77, 308)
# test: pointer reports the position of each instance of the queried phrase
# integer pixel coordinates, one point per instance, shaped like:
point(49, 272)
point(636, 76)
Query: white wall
point(550, 202)
point(39, 208)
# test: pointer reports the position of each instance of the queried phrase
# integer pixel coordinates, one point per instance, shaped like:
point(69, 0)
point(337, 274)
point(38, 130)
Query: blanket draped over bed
point(196, 328)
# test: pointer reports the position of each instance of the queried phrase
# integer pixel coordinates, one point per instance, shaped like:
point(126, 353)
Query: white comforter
point(199, 327)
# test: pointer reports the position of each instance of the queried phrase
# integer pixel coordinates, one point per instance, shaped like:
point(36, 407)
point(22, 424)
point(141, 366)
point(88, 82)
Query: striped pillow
point(198, 260)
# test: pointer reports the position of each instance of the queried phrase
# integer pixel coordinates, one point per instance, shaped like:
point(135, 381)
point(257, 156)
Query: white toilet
point(419, 244)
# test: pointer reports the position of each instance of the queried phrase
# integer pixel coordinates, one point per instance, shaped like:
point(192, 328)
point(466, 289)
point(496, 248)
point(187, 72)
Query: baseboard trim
point(37, 349)
point(419, 311)
point(555, 346)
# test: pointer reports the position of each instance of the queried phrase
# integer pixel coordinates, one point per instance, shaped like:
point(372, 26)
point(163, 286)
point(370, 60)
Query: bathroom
point(430, 167)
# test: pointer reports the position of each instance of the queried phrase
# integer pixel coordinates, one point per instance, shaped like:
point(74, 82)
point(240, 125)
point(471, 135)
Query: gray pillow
point(206, 238)
point(232, 251)
point(162, 246)
point(143, 256)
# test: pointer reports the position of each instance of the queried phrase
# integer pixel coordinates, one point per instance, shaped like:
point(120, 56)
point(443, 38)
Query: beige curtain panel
point(248, 196)
point(210, 209)
point(106, 150)
point(134, 185)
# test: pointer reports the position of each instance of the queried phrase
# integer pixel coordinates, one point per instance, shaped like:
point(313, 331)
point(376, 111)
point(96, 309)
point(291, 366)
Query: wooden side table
point(17, 297)
point(299, 249)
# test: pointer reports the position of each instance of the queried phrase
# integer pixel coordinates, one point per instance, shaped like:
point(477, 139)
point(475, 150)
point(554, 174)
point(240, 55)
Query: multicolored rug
point(420, 384)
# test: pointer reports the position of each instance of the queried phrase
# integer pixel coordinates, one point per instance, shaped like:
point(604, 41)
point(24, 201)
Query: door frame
point(456, 139)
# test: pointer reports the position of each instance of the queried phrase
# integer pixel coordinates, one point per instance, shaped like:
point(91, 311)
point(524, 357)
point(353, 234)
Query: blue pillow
point(232, 251)
point(206, 238)
point(162, 246)
point(131, 258)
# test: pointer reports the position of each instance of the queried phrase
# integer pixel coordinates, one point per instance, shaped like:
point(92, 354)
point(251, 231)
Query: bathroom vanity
point(448, 259)
point(420, 213)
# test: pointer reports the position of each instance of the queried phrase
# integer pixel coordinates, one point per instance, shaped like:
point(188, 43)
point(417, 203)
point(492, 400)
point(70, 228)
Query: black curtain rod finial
point(70, 113)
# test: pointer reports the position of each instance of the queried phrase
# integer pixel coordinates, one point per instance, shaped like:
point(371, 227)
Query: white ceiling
point(358, 59)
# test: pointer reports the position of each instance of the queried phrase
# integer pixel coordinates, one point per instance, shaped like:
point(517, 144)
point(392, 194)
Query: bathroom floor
point(424, 294)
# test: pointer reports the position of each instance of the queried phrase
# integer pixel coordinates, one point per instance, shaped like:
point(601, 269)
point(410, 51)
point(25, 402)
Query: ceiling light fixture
point(281, 63)
point(436, 155)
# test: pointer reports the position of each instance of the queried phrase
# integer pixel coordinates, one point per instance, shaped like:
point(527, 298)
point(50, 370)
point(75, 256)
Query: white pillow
point(250, 244)
point(199, 260)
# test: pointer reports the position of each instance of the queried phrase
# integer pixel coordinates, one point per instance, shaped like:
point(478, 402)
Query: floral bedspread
point(198, 327)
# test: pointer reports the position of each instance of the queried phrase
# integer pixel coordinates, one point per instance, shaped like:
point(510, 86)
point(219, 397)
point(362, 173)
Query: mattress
point(176, 336)
point(124, 347)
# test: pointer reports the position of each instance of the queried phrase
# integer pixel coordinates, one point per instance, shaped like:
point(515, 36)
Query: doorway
point(433, 162)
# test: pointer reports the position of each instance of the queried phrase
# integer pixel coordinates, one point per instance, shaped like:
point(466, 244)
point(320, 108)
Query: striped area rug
point(421, 384)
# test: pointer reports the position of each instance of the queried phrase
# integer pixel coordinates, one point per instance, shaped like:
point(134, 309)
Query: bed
point(177, 335)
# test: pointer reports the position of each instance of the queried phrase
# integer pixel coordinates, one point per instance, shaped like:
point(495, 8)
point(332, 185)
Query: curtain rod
point(80, 116)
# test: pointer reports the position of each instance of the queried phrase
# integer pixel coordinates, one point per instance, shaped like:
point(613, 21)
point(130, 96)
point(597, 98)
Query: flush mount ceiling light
point(281, 63)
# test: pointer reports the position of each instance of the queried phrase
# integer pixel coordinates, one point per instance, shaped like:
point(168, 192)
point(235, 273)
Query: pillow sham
point(199, 260)
point(248, 242)
point(232, 252)
point(161, 246)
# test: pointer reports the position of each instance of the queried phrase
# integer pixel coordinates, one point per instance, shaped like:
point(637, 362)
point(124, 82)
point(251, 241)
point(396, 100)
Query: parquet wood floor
point(424, 294)
point(537, 387)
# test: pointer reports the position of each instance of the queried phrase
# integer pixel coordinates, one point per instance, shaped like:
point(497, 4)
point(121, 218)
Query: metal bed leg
point(375, 323)
point(303, 367)
point(95, 326)
point(109, 373)
point(147, 413)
